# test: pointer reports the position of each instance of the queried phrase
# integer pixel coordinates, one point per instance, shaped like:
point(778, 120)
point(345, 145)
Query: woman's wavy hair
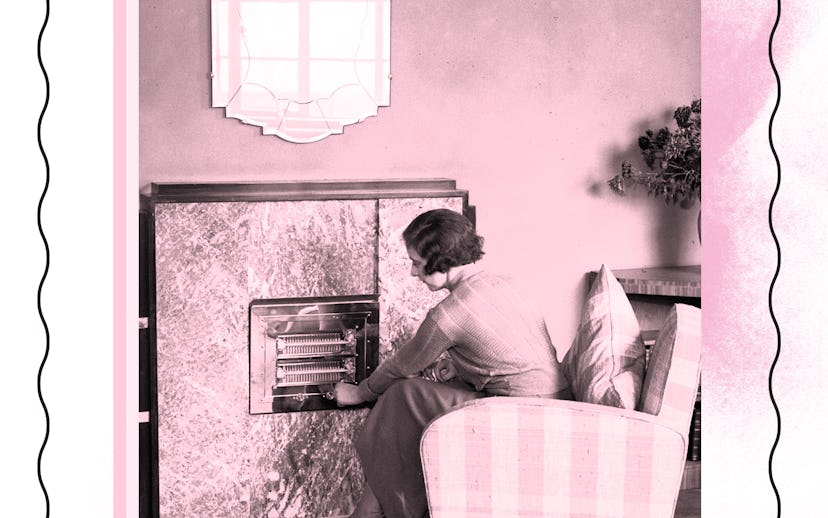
point(443, 238)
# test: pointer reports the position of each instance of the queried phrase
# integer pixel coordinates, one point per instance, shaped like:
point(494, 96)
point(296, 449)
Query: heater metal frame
point(323, 340)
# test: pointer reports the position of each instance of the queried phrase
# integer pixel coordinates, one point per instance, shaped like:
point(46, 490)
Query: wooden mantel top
point(671, 281)
point(294, 190)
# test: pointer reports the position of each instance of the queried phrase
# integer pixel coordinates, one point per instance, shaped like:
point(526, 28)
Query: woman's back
point(500, 339)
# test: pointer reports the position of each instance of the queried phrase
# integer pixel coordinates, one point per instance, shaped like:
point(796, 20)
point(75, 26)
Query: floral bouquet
point(673, 158)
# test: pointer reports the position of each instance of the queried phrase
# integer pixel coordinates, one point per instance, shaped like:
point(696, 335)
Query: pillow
point(605, 364)
point(672, 379)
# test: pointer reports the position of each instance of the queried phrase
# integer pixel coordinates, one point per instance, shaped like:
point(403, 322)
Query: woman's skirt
point(389, 444)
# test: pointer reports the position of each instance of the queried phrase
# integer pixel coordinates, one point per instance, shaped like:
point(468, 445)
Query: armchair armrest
point(512, 456)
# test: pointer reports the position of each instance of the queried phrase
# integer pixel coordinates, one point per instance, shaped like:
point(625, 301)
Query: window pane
point(342, 29)
point(280, 77)
point(271, 29)
point(327, 76)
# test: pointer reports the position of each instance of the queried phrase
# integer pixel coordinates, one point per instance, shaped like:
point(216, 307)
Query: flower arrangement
point(673, 158)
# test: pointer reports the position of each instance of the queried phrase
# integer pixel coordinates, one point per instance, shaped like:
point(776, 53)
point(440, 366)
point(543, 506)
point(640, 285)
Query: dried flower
point(643, 142)
point(682, 116)
point(673, 157)
point(617, 185)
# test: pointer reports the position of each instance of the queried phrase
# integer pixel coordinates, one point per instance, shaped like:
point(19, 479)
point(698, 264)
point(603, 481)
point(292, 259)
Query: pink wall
point(530, 108)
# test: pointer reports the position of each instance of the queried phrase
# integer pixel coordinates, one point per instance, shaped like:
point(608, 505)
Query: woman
point(497, 344)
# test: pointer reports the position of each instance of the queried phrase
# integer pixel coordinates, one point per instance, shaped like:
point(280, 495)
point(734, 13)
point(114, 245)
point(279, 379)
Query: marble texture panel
point(403, 299)
point(215, 459)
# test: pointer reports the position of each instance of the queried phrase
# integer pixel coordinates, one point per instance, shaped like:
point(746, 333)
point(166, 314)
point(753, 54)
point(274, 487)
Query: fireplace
point(231, 267)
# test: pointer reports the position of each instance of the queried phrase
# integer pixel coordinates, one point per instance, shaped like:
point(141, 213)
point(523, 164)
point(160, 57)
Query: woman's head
point(443, 239)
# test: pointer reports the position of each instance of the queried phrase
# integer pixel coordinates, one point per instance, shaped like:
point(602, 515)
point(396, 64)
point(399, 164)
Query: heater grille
point(299, 348)
point(330, 371)
point(315, 344)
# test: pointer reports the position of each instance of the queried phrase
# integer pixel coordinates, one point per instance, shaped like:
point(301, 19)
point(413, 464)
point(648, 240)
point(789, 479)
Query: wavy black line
point(778, 257)
point(46, 268)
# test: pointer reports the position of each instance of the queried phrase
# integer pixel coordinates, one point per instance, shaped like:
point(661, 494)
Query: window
point(301, 69)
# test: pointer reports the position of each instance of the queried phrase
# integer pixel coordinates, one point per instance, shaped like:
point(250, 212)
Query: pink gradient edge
point(121, 445)
point(737, 85)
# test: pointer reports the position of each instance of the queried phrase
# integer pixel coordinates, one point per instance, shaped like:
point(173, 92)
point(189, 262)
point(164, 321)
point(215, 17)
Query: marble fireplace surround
point(216, 247)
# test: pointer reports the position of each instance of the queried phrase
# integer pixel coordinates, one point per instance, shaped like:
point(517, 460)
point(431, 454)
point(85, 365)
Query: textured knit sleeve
point(428, 343)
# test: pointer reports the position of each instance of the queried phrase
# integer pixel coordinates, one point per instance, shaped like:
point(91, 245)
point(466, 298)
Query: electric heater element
point(301, 347)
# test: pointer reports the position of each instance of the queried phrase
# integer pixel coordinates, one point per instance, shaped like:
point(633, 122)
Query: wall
point(531, 106)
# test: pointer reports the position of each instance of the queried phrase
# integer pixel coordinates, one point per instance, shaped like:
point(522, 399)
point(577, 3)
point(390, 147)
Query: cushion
point(605, 364)
point(672, 379)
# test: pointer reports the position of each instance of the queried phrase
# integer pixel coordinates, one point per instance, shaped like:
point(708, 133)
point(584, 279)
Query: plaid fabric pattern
point(672, 379)
point(516, 457)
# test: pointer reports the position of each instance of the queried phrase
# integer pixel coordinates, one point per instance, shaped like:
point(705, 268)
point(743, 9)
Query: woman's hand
point(347, 394)
point(441, 371)
point(445, 370)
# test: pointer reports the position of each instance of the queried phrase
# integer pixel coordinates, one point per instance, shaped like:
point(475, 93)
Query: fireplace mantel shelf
point(304, 190)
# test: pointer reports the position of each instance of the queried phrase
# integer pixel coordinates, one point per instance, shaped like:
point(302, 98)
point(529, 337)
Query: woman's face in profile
point(434, 281)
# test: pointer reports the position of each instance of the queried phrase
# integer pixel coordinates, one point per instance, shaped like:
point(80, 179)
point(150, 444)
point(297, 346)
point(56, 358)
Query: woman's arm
point(428, 343)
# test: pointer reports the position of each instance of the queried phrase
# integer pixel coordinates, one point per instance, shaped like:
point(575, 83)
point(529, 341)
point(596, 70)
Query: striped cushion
point(502, 456)
point(672, 380)
point(605, 364)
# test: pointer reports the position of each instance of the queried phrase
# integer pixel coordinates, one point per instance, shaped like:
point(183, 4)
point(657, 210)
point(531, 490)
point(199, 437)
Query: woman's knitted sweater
point(497, 340)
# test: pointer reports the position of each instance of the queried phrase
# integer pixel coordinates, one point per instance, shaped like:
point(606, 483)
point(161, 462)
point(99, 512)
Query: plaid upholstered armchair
point(509, 456)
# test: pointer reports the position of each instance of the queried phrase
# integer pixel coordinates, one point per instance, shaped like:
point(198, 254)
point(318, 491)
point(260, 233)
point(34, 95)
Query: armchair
point(514, 456)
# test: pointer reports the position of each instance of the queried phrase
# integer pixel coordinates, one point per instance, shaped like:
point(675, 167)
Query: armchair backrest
point(672, 378)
